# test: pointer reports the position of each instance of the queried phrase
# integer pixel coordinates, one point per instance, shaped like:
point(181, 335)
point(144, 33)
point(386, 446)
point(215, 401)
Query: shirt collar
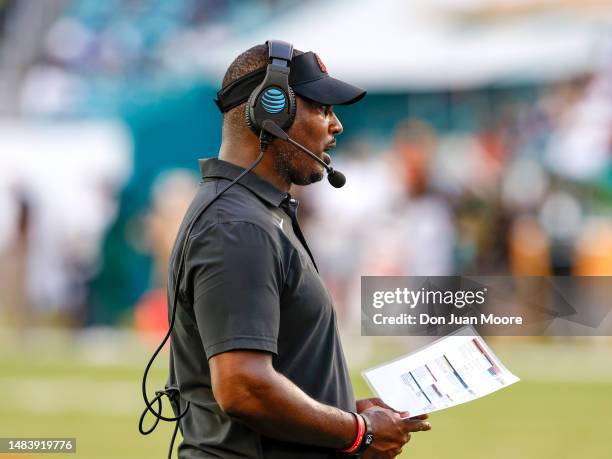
point(217, 168)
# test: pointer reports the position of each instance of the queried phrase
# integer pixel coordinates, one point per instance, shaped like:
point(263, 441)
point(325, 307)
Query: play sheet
point(455, 369)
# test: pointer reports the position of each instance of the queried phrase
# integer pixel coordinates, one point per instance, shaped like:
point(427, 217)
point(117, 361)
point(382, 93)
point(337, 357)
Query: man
point(255, 347)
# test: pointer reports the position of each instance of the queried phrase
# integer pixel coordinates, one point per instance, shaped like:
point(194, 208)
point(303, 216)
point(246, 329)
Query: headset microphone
point(335, 178)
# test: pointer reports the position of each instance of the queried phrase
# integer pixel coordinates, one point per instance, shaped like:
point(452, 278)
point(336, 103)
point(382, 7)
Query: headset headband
point(282, 50)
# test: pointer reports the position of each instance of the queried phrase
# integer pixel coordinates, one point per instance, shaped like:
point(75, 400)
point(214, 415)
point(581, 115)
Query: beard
point(295, 167)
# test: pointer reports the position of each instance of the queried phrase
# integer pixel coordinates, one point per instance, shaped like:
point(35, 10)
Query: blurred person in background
point(14, 231)
point(171, 194)
point(421, 218)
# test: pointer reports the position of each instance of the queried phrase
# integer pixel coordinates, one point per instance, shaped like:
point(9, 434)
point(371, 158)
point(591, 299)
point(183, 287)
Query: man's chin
point(316, 177)
point(302, 180)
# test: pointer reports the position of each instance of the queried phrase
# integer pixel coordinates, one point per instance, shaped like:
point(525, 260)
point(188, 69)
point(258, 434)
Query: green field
point(88, 387)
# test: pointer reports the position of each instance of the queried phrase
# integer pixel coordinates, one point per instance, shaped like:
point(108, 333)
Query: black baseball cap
point(308, 78)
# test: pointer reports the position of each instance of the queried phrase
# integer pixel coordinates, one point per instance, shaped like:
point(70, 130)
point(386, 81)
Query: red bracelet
point(360, 432)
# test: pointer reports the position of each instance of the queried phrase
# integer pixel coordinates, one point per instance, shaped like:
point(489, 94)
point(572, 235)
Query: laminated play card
point(455, 369)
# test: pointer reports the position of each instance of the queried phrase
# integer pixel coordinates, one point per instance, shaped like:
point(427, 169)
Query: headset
point(273, 100)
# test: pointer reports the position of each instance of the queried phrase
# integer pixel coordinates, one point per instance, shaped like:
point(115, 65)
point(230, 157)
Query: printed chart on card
point(452, 370)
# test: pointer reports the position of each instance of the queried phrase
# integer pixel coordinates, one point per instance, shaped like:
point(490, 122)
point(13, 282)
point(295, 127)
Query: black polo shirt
point(250, 282)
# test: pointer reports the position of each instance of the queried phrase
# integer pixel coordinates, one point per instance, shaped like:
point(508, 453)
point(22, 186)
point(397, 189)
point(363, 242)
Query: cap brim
point(330, 91)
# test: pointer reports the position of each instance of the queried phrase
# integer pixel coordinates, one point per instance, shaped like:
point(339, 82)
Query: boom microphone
point(335, 178)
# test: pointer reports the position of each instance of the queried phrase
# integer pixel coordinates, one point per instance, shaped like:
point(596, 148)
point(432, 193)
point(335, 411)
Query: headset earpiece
point(273, 99)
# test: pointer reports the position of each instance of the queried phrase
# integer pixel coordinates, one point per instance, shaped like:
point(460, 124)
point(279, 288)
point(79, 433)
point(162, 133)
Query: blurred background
point(483, 148)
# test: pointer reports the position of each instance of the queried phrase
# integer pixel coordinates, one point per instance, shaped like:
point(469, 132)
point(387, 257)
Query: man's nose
point(335, 127)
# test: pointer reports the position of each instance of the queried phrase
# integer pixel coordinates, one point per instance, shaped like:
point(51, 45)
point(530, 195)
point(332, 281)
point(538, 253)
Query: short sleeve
point(237, 282)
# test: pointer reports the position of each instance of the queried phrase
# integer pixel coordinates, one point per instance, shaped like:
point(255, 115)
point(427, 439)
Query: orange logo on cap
point(321, 64)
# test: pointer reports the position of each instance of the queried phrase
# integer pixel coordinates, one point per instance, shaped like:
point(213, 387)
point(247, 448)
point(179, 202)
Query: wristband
point(368, 436)
point(361, 430)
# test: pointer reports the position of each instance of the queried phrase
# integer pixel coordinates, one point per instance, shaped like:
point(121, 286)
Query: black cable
point(171, 393)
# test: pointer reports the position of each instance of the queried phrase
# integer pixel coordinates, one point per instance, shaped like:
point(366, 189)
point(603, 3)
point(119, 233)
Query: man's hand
point(391, 429)
point(366, 403)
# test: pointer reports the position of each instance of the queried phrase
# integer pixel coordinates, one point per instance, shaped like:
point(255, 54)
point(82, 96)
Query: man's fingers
point(416, 426)
point(420, 417)
point(379, 402)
